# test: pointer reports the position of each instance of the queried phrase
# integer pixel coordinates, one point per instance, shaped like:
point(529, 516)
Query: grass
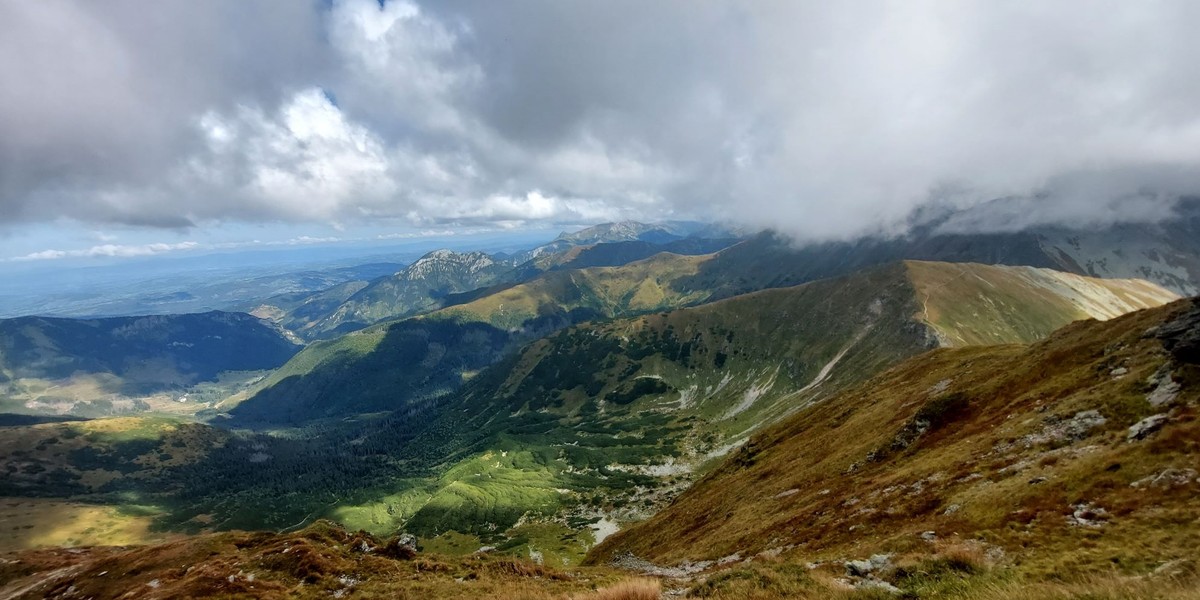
point(631, 589)
point(987, 471)
point(931, 577)
point(40, 522)
point(973, 304)
point(318, 562)
point(536, 439)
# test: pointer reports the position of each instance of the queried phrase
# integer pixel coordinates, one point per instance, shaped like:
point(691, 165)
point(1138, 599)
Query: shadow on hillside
point(769, 260)
point(417, 360)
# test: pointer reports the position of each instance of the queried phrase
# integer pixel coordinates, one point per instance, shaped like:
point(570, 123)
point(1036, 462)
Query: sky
point(130, 128)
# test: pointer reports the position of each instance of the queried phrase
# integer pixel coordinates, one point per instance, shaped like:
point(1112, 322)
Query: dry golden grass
point(630, 589)
point(1093, 588)
point(27, 523)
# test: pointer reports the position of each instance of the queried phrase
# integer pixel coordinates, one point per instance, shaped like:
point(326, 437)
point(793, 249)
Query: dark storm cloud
point(825, 119)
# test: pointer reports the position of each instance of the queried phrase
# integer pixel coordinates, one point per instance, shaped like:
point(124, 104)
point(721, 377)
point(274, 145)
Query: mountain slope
point(554, 446)
point(636, 407)
point(445, 278)
point(1166, 253)
point(623, 231)
point(1075, 454)
point(135, 355)
point(981, 304)
point(391, 366)
point(417, 288)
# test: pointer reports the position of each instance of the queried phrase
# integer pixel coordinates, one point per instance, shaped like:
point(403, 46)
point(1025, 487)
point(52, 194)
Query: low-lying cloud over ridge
point(823, 119)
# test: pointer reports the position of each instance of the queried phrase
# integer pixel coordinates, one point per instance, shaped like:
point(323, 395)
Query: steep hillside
point(632, 409)
point(321, 561)
point(417, 288)
point(980, 304)
point(297, 312)
point(559, 444)
point(43, 360)
point(1074, 455)
point(389, 367)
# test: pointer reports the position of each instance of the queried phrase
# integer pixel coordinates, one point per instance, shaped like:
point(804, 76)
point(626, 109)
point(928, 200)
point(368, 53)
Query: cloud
point(109, 250)
point(825, 120)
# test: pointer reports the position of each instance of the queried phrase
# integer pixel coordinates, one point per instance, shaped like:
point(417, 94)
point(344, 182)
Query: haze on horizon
point(146, 127)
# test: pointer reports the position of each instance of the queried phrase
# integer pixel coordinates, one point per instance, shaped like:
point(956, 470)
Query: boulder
point(1147, 426)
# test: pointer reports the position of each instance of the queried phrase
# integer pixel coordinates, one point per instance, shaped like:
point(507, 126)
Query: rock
point(929, 536)
point(1084, 421)
point(1147, 426)
point(871, 565)
point(403, 546)
point(1087, 514)
point(1181, 336)
point(1118, 372)
point(1037, 480)
point(875, 584)
point(953, 508)
point(1165, 388)
point(1167, 479)
point(407, 539)
point(1058, 429)
point(859, 568)
point(863, 568)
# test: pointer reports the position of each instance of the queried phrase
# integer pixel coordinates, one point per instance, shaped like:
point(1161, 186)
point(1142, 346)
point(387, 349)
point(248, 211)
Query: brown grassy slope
point(321, 561)
point(981, 442)
point(640, 286)
point(974, 304)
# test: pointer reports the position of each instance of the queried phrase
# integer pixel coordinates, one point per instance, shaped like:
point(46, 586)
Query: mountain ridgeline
point(1166, 253)
point(396, 365)
point(146, 353)
point(925, 395)
point(665, 394)
point(443, 277)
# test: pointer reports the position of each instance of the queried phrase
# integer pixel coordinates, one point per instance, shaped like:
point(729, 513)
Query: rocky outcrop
point(1181, 335)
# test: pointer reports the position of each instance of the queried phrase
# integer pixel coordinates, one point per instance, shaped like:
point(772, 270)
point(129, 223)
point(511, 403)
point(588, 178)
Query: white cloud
point(308, 161)
point(824, 119)
point(109, 250)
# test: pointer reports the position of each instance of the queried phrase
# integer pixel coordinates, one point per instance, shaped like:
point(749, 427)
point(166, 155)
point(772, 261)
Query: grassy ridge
point(397, 365)
point(663, 396)
point(990, 444)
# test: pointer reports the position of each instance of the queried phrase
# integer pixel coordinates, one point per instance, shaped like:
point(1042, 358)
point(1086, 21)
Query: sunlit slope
point(419, 287)
point(662, 395)
point(1042, 451)
point(596, 425)
point(601, 292)
point(391, 366)
point(968, 303)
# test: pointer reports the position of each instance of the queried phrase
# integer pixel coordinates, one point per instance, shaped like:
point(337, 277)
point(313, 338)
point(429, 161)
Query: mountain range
point(736, 415)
